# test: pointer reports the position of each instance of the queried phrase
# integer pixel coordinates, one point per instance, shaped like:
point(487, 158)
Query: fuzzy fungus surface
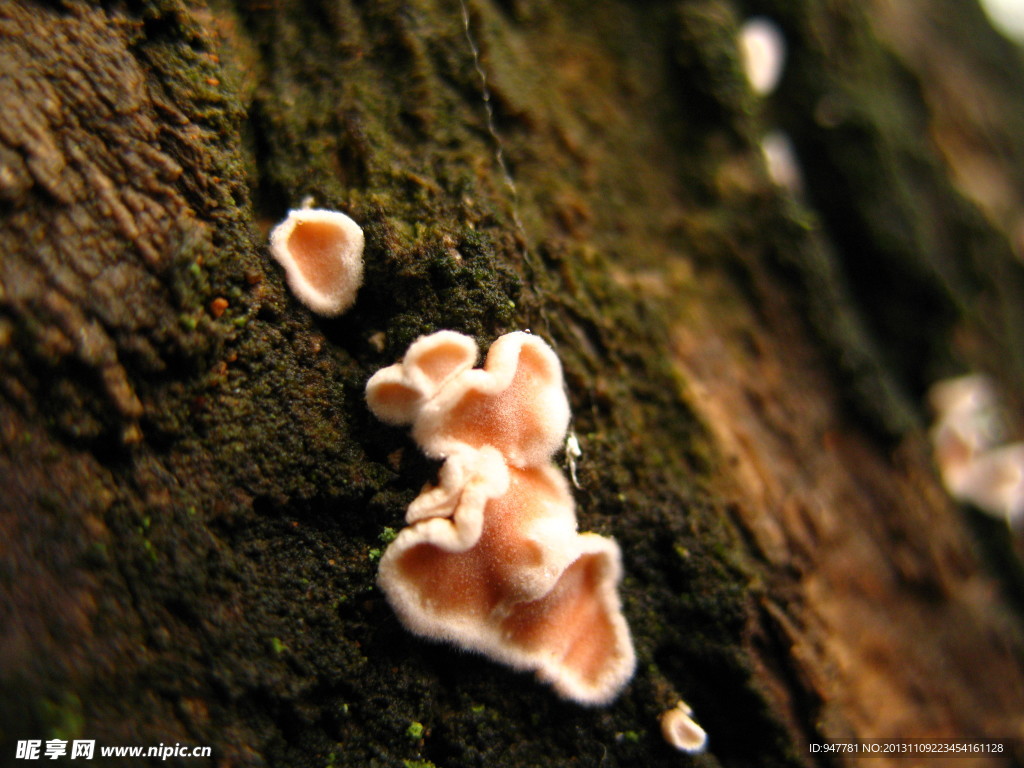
point(491, 559)
point(322, 255)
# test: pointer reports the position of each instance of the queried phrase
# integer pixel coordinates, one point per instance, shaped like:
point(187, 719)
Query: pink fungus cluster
point(491, 559)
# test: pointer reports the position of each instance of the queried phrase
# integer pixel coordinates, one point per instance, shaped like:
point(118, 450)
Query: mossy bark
point(194, 498)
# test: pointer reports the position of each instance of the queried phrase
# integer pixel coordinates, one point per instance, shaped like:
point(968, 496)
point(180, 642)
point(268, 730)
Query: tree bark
point(194, 497)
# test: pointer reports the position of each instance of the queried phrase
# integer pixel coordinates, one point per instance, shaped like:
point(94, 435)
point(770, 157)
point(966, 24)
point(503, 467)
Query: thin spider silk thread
point(499, 151)
point(572, 446)
point(499, 154)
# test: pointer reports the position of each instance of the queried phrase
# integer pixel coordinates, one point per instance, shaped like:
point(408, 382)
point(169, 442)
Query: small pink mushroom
point(322, 255)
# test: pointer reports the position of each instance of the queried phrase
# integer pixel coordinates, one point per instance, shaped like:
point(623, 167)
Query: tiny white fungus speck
point(682, 731)
point(573, 453)
point(781, 161)
point(763, 51)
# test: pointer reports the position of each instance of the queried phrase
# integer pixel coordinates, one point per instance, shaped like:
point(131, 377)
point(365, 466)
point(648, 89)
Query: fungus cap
point(513, 580)
point(993, 482)
point(968, 408)
point(682, 731)
point(515, 403)
point(397, 394)
point(781, 162)
point(966, 438)
point(322, 255)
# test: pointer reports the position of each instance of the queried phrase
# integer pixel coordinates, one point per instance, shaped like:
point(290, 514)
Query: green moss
point(63, 718)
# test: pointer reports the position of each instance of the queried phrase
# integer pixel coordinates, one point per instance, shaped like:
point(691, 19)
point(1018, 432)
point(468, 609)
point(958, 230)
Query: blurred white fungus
point(682, 731)
point(1007, 16)
point(763, 52)
point(966, 437)
point(780, 159)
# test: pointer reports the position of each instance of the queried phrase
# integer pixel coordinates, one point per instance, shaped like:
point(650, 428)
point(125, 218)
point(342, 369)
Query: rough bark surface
point(193, 499)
